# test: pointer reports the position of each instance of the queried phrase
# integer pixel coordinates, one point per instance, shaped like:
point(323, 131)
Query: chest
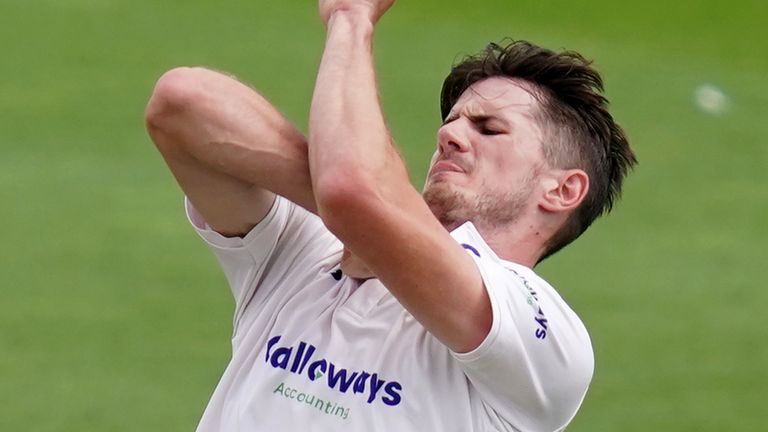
point(354, 348)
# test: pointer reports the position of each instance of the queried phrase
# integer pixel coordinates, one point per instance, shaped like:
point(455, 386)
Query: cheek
point(503, 163)
point(511, 156)
point(508, 169)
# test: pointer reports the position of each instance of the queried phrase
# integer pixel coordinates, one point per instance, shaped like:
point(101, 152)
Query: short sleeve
point(282, 242)
point(534, 366)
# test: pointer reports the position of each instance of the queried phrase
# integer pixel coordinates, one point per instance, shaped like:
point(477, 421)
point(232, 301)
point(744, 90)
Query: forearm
point(365, 197)
point(348, 136)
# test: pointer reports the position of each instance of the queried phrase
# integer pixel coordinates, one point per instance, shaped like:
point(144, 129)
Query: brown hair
point(578, 130)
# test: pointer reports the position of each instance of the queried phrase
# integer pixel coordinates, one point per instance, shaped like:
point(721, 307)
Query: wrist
point(358, 17)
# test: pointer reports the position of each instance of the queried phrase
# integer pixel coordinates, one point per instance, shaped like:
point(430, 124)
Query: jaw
point(492, 208)
point(450, 205)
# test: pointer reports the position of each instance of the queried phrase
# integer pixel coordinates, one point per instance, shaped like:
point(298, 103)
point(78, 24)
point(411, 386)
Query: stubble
point(488, 208)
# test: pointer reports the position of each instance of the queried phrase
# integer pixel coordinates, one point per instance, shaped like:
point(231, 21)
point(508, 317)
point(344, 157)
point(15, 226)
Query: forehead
point(498, 95)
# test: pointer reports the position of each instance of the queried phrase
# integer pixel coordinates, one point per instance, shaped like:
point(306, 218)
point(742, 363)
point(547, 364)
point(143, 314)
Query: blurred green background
point(115, 317)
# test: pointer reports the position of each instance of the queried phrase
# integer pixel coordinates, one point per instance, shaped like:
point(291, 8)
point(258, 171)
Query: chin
point(448, 205)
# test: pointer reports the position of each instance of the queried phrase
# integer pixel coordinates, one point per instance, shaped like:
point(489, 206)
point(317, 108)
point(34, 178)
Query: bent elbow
point(341, 196)
point(175, 92)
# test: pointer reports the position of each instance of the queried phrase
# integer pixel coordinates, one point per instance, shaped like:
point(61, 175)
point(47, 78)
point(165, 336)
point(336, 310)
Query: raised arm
point(364, 194)
point(228, 147)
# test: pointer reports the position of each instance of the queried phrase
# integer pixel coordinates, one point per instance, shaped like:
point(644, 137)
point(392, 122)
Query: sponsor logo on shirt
point(471, 249)
point(533, 300)
point(300, 360)
point(323, 406)
point(541, 320)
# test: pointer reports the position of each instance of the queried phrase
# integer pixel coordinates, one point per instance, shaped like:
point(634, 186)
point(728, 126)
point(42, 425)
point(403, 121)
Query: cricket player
point(362, 304)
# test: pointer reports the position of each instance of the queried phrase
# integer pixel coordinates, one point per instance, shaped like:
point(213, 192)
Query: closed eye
point(487, 131)
point(486, 127)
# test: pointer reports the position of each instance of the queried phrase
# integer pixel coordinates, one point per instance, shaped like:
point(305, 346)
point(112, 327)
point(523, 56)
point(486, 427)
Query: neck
point(521, 243)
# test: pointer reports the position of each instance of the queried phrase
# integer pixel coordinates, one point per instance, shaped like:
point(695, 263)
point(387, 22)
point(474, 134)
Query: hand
point(354, 267)
point(372, 9)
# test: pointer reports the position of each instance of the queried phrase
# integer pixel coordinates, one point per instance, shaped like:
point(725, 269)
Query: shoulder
point(517, 282)
point(538, 356)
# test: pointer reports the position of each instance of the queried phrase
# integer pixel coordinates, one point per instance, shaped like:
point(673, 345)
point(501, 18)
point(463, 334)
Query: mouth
point(445, 166)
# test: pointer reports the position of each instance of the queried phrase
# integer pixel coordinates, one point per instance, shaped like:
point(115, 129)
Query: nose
point(450, 138)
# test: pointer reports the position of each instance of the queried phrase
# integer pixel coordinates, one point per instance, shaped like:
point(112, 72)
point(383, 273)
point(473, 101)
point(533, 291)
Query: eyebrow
point(482, 118)
point(477, 119)
point(475, 116)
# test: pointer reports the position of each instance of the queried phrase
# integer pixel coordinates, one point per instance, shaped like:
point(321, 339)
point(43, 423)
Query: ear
point(565, 191)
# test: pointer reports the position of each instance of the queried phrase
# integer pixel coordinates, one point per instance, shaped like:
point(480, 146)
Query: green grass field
point(115, 317)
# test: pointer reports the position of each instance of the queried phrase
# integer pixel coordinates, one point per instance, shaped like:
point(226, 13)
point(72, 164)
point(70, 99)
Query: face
point(488, 158)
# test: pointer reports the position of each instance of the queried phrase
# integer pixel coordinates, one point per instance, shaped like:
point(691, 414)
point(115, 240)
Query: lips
point(445, 166)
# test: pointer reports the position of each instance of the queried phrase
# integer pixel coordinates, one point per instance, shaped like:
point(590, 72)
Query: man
point(455, 332)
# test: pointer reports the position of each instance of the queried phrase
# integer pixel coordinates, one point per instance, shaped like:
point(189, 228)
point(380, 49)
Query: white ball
point(710, 99)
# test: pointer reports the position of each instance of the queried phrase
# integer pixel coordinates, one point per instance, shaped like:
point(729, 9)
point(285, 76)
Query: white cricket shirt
point(314, 350)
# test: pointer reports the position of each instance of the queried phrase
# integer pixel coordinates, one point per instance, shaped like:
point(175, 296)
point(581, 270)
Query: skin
point(231, 151)
point(365, 198)
point(489, 168)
